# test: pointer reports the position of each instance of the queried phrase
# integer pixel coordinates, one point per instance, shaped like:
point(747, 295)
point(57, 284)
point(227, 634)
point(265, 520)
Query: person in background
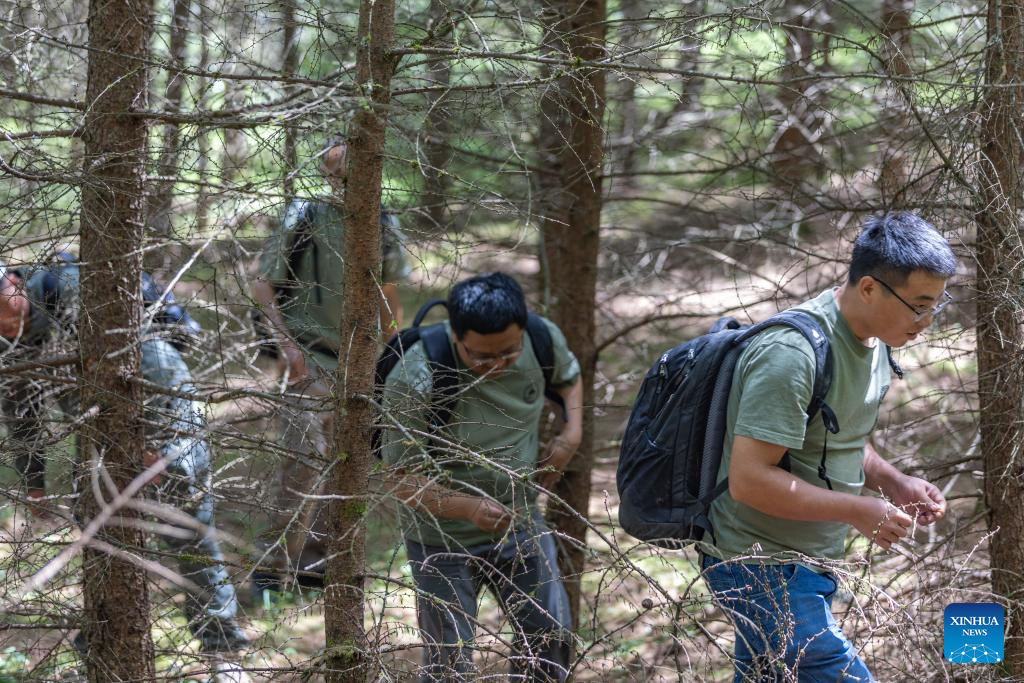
point(39, 310)
point(300, 293)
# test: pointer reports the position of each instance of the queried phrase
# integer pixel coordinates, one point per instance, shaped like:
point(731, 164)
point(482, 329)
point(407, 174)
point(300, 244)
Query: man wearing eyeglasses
point(470, 492)
point(782, 523)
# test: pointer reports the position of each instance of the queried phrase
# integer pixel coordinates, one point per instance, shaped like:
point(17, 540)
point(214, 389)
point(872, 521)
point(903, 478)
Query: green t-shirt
point(769, 396)
point(494, 422)
point(312, 309)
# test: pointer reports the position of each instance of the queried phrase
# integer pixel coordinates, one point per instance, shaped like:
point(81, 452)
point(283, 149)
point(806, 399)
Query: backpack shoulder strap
point(893, 365)
point(299, 239)
point(425, 309)
point(544, 349)
point(812, 332)
point(443, 374)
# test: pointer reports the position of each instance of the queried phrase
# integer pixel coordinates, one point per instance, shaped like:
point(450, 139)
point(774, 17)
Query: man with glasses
point(470, 491)
point(781, 526)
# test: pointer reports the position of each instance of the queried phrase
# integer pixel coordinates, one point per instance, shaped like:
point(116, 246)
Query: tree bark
point(203, 142)
point(437, 128)
point(893, 172)
point(346, 658)
point(571, 240)
point(1000, 339)
point(162, 198)
point(794, 155)
point(117, 624)
point(290, 67)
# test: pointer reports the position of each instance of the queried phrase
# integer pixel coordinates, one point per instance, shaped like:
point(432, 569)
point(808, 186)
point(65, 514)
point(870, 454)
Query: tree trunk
point(290, 66)
point(437, 128)
point(162, 198)
point(1000, 340)
point(117, 625)
point(571, 243)
point(793, 152)
point(893, 173)
point(346, 658)
point(203, 143)
point(632, 13)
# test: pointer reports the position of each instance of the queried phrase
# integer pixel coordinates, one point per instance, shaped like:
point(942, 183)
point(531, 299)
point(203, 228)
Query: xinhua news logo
point(973, 633)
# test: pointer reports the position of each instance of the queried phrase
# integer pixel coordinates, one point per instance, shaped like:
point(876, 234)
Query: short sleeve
point(567, 368)
point(405, 401)
point(53, 292)
point(775, 379)
point(274, 259)
point(395, 266)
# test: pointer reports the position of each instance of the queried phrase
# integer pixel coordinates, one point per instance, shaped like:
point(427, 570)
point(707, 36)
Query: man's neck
point(850, 310)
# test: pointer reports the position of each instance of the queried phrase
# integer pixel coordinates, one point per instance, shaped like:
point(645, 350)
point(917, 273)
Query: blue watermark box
point(973, 633)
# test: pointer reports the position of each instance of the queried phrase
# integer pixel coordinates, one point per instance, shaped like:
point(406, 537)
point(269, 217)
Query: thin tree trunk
point(290, 66)
point(572, 255)
point(632, 13)
point(160, 202)
point(203, 163)
point(347, 659)
point(893, 173)
point(437, 128)
point(117, 624)
point(794, 156)
point(1000, 339)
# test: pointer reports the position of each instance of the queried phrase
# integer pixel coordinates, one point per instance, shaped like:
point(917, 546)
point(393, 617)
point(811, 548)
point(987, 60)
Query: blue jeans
point(523, 574)
point(784, 624)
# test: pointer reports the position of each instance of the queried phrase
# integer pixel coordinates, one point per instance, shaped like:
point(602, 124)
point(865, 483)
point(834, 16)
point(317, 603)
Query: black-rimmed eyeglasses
point(920, 312)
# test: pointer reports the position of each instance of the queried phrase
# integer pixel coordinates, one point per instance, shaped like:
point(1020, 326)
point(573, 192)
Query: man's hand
point(149, 458)
point(556, 456)
point(920, 499)
point(14, 306)
point(37, 509)
point(880, 521)
point(490, 516)
point(292, 360)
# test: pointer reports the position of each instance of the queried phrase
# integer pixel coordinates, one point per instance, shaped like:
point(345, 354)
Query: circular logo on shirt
point(531, 393)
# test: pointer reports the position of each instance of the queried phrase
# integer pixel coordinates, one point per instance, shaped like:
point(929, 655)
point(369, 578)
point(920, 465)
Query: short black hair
point(486, 304)
point(893, 245)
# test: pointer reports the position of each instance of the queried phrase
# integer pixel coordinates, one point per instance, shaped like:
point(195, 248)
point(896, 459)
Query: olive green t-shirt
point(494, 428)
point(315, 291)
point(769, 396)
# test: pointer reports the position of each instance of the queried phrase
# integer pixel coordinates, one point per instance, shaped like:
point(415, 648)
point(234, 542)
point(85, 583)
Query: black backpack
point(672, 448)
point(444, 369)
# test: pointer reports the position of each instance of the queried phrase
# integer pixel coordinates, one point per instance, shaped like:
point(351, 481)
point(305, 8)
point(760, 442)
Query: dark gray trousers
point(523, 574)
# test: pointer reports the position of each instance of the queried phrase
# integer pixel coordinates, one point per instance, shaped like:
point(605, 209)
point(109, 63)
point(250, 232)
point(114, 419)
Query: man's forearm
point(879, 475)
point(263, 293)
point(780, 494)
point(424, 495)
point(572, 431)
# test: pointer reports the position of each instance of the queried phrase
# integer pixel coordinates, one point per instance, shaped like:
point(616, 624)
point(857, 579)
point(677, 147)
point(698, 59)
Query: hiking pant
point(784, 624)
point(211, 608)
point(306, 423)
point(522, 573)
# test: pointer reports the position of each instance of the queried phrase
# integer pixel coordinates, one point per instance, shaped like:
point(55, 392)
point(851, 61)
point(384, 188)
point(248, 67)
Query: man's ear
point(867, 287)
